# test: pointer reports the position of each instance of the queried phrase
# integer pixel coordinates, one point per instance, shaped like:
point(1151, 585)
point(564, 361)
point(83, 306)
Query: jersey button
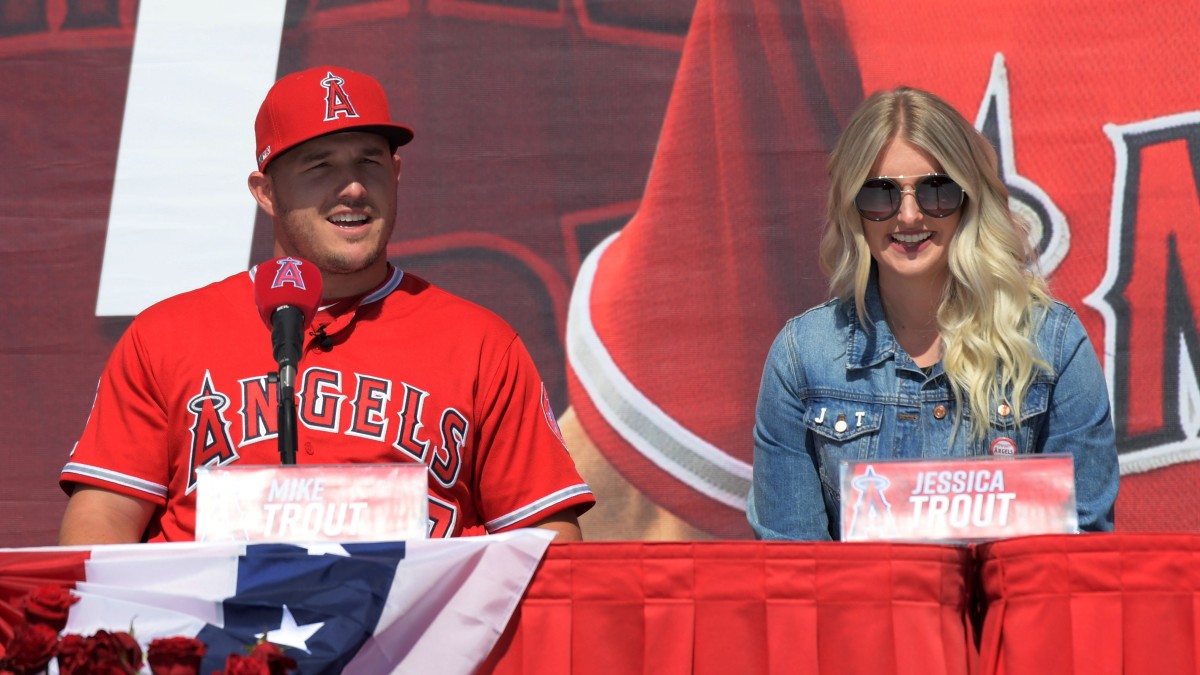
point(939, 412)
point(308, 448)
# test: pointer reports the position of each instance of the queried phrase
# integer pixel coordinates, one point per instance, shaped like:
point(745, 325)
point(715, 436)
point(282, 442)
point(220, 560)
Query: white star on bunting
point(289, 634)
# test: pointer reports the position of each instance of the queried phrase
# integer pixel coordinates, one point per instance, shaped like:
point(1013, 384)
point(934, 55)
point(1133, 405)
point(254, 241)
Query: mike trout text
point(296, 507)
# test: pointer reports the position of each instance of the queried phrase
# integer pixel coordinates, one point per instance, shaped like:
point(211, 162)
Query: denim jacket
point(824, 367)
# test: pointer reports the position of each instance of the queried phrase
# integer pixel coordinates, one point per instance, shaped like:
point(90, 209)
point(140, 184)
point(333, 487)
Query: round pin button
point(840, 425)
point(939, 412)
point(1003, 409)
point(1004, 447)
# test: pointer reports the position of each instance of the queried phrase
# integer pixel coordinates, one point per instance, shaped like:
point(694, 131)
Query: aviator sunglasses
point(937, 195)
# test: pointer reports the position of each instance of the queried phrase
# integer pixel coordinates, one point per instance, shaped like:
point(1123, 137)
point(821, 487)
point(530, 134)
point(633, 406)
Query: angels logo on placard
point(872, 516)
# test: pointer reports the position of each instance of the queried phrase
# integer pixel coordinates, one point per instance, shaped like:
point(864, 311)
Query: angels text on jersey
point(366, 409)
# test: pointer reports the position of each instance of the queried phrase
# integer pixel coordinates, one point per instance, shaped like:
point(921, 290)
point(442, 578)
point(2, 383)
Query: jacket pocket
point(842, 430)
point(842, 421)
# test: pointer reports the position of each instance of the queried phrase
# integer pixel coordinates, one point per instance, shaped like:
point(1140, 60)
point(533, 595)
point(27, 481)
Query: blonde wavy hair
point(988, 309)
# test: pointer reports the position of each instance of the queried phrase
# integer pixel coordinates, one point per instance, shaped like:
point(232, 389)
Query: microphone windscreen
point(287, 281)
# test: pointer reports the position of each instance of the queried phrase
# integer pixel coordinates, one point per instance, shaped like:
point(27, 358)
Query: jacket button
point(939, 412)
point(1004, 410)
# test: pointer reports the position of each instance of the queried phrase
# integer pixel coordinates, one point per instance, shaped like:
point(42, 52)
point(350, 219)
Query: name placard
point(307, 503)
point(958, 499)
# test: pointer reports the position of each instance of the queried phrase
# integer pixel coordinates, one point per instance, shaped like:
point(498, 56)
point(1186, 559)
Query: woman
point(941, 339)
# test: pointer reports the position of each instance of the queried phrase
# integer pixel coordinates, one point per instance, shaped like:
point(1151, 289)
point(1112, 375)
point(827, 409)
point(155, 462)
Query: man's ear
point(396, 163)
point(263, 191)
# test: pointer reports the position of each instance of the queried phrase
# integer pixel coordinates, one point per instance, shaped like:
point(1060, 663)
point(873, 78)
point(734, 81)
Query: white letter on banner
point(181, 215)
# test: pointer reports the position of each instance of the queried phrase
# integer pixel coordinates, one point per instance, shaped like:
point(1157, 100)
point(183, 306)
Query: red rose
point(31, 648)
point(118, 652)
point(237, 664)
point(101, 654)
point(49, 605)
point(175, 656)
point(129, 650)
point(276, 662)
point(88, 656)
point(72, 655)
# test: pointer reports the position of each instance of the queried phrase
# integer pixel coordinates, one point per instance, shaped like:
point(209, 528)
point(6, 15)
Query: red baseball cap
point(318, 101)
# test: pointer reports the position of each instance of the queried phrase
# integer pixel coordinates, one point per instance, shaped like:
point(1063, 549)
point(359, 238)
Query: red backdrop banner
point(637, 187)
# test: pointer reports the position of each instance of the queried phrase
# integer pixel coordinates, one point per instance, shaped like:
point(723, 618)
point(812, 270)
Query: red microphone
point(287, 291)
point(287, 281)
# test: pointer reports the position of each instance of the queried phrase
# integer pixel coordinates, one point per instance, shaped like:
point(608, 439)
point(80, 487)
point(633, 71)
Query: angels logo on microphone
point(336, 100)
point(289, 273)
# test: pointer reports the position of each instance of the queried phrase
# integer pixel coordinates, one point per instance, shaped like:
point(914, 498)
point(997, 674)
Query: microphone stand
point(286, 383)
point(287, 338)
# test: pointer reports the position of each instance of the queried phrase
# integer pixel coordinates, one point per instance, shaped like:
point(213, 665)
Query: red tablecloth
point(1115, 604)
point(743, 607)
point(1125, 604)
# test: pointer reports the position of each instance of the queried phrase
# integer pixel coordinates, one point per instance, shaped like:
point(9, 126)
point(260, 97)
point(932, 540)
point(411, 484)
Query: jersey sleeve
point(123, 445)
point(525, 472)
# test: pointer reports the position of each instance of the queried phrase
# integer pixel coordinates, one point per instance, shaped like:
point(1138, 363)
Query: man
point(394, 370)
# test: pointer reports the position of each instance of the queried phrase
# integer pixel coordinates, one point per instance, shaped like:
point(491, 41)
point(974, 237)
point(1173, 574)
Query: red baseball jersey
point(407, 372)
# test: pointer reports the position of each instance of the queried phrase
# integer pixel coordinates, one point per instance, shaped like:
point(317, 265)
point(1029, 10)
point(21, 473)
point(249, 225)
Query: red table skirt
point(1114, 604)
point(742, 607)
point(1124, 604)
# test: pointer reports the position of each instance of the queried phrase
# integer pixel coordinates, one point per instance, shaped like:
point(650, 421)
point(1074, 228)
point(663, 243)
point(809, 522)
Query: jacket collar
point(874, 344)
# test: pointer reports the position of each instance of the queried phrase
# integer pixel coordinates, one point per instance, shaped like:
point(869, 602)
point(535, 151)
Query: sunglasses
point(937, 195)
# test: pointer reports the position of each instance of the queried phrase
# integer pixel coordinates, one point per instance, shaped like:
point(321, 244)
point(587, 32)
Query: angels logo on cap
point(320, 101)
point(336, 100)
